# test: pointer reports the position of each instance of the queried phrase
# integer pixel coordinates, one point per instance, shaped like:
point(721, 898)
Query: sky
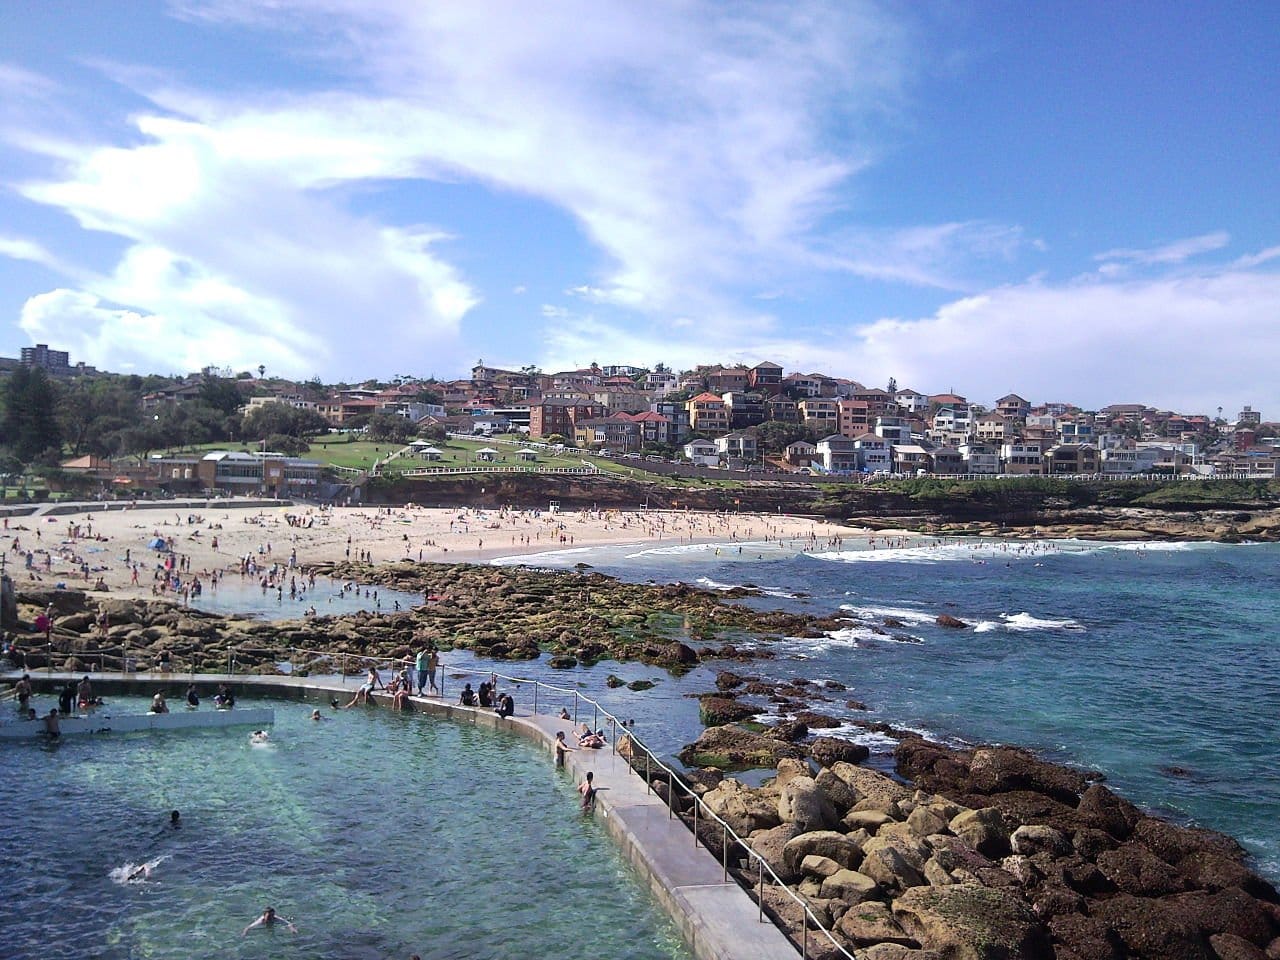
point(1075, 201)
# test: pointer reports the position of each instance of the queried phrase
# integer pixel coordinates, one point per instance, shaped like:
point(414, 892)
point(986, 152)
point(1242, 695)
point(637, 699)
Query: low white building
point(703, 453)
point(839, 454)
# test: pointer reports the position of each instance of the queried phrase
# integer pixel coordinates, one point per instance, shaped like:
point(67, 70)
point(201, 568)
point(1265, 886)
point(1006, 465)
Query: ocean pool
point(378, 835)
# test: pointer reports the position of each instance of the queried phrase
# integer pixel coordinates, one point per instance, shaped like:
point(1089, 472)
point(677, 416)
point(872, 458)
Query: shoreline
point(294, 538)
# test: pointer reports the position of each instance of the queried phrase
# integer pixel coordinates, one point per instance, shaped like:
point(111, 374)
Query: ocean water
point(378, 835)
point(1158, 664)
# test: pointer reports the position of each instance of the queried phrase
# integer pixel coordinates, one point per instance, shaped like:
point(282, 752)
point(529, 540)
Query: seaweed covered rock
point(969, 922)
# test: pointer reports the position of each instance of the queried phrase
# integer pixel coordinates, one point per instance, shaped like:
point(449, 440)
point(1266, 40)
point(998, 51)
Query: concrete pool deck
point(716, 917)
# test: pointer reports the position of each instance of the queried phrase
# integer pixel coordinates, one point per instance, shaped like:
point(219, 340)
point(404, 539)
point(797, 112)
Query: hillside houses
point(741, 415)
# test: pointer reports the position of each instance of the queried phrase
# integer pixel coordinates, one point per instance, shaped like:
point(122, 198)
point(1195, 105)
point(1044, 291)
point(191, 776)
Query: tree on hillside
point(775, 436)
point(222, 395)
point(388, 426)
point(91, 411)
point(30, 414)
point(270, 418)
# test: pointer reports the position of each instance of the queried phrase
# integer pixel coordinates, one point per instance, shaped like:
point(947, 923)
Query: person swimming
point(269, 918)
point(259, 737)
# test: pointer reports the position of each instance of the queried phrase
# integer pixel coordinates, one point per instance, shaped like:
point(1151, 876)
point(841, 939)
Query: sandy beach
point(82, 549)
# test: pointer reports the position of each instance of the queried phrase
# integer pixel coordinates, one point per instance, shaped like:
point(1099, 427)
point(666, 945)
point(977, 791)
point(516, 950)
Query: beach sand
point(103, 540)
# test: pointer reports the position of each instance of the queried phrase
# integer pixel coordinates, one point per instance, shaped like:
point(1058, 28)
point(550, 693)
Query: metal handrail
point(700, 808)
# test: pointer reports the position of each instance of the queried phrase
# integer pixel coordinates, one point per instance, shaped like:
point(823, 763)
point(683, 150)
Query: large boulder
point(732, 748)
point(771, 846)
point(892, 866)
point(969, 922)
point(802, 803)
point(1151, 929)
point(931, 765)
point(837, 791)
point(985, 830)
point(1172, 843)
point(1030, 840)
point(828, 750)
point(1227, 912)
point(871, 922)
point(1136, 870)
point(851, 887)
point(743, 808)
point(121, 610)
point(822, 843)
point(1086, 937)
point(870, 784)
point(1001, 769)
point(925, 820)
point(1227, 946)
point(716, 711)
point(1103, 810)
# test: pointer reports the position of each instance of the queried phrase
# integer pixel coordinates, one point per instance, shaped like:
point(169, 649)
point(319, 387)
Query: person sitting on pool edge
point(506, 706)
point(468, 697)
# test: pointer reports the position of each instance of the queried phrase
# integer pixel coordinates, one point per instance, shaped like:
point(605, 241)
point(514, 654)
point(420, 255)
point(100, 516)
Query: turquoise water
point(379, 836)
point(1157, 665)
point(234, 595)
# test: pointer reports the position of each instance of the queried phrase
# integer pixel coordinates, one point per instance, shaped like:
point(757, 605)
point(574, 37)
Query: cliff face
point(1141, 511)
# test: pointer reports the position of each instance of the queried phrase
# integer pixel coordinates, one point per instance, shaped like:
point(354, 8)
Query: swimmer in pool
point(259, 736)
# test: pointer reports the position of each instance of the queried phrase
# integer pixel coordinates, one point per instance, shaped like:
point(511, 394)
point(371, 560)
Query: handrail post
point(760, 889)
point(804, 923)
point(595, 716)
point(575, 708)
point(724, 850)
point(648, 777)
point(613, 729)
point(536, 685)
point(695, 820)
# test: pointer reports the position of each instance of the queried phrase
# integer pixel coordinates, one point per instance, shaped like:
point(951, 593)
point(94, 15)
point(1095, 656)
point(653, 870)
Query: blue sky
point(1075, 201)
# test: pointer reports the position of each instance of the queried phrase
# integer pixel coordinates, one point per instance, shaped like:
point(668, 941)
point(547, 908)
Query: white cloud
point(21, 248)
point(1187, 342)
point(1178, 251)
point(936, 255)
point(693, 143)
point(1190, 343)
point(228, 234)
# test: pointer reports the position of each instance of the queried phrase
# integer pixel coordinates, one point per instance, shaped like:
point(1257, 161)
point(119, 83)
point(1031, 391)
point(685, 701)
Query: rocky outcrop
point(995, 854)
point(733, 748)
point(971, 922)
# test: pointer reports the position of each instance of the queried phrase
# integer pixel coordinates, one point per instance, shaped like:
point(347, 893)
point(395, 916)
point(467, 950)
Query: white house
point(703, 453)
point(912, 401)
point(737, 446)
point(838, 454)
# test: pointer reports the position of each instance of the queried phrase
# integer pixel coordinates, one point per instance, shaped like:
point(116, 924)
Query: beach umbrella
point(157, 543)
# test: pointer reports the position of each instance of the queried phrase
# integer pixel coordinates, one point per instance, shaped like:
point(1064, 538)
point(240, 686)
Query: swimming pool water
point(380, 836)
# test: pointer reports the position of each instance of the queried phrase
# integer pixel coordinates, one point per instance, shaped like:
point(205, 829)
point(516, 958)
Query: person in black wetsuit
point(193, 698)
point(67, 699)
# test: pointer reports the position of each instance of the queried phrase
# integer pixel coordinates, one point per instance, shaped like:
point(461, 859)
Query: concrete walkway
point(717, 918)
